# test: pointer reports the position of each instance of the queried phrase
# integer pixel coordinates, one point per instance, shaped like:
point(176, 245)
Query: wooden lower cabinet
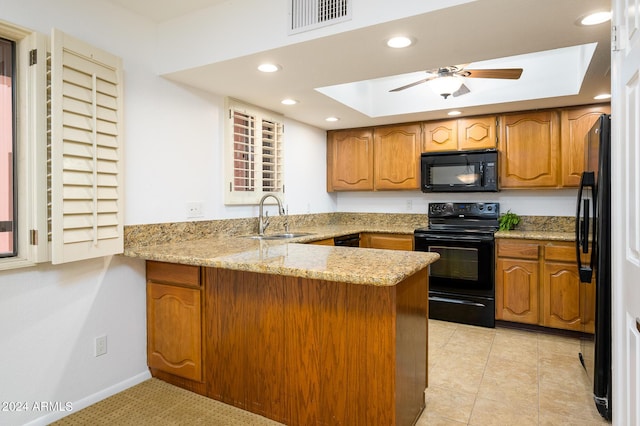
point(174, 321)
point(304, 351)
point(537, 282)
point(561, 296)
point(517, 290)
point(325, 242)
point(386, 241)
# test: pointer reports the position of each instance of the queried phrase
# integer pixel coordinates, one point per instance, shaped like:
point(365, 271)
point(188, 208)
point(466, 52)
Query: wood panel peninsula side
point(303, 334)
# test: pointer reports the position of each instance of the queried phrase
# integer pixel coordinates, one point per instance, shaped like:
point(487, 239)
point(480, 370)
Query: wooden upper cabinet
point(350, 160)
point(397, 157)
point(440, 136)
point(465, 134)
point(575, 125)
point(477, 133)
point(529, 150)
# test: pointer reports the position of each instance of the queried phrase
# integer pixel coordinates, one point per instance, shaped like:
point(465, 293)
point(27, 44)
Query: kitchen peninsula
point(299, 333)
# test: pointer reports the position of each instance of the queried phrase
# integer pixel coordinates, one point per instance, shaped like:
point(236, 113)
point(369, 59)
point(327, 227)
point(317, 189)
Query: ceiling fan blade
point(506, 73)
point(424, 80)
point(463, 90)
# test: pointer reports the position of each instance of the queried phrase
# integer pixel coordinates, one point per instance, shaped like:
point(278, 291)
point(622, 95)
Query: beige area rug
point(155, 402)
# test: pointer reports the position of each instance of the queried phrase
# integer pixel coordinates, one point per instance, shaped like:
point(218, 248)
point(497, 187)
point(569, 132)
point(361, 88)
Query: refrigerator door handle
point(585, 227)
point(582, 232)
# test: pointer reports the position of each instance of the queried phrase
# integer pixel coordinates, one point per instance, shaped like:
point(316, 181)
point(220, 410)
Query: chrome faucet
point(263, 220)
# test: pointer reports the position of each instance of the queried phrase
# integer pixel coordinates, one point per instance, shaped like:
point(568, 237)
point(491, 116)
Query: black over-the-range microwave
point(459, 171)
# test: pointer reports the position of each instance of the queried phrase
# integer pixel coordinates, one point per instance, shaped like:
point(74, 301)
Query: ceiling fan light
point(445, 86)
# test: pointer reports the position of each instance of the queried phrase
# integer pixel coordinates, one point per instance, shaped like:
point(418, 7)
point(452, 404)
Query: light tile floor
point(503, 376)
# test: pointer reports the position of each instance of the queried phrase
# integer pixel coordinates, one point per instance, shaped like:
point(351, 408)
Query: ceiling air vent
point(306, 15)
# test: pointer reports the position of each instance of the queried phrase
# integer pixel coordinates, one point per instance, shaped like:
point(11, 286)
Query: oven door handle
point(456, 301)
point(456, 238)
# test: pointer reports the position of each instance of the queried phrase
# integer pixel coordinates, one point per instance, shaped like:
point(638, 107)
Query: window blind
point(86, 151)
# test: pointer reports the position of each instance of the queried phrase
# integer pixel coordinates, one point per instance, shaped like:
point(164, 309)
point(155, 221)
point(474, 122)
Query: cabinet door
point(174, 337)
point(529, 150)
point(397, 157)
point(388, 241)
point(440, 136)
point(563, 293)
point(517, 290)
point(561, 296)
point(350, 160)
point(477, 133)
point(325, 242)
point(575, 125)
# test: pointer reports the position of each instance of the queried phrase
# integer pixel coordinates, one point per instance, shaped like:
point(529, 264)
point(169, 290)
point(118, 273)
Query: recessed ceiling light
point(595, 18)
point(603, 96)
point(332, 119)
point(268, 67)
point(454, 113)
point(288, 101)
point(399, 42)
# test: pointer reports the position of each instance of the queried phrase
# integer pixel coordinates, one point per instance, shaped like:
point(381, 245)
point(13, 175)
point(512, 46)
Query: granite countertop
point(550, 228)
point(293, 257)
point(224, 244)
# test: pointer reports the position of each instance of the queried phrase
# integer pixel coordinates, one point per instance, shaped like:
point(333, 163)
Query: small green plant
point(508, 221)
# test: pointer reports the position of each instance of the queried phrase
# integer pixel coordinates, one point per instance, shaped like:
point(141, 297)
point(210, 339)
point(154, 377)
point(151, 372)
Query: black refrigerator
point(593, 235)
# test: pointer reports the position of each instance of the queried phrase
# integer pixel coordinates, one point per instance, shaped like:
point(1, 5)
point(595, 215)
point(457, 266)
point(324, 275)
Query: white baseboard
point(91, 399)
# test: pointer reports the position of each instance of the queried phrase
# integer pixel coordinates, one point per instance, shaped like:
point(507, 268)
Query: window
point(65, 148)
point(8, 243)
point(254, 154)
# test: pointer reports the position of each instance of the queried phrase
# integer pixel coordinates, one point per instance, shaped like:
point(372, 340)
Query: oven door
point(461, 282)
point(466, 264)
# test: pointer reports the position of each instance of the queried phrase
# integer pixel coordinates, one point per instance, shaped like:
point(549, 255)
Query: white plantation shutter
point(253, 154)
point(271, 156)
point(244, 142)
point(86, 151)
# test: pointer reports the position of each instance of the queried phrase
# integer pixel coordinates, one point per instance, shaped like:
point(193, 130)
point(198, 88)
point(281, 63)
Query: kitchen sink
point(282, 236)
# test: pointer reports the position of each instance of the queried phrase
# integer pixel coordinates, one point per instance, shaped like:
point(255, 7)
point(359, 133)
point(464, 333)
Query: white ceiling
point(161, 10)
point(485, 34)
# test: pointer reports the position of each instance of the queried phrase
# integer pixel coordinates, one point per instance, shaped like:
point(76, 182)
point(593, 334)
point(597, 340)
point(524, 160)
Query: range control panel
point(464, 210)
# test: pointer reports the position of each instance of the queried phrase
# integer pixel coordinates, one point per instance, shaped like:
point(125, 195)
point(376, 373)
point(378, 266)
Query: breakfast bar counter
point(292, 258)
point(300, 333)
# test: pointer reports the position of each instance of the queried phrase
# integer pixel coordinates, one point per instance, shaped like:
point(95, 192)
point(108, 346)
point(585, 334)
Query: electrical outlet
point(409, 205)
point(194, 209)
point(101, 345)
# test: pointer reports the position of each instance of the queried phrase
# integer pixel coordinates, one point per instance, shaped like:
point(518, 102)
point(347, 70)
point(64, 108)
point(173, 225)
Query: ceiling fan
point(447, 81)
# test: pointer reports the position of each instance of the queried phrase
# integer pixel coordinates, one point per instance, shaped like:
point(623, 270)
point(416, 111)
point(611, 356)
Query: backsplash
point(161, 233)
point(547, 223)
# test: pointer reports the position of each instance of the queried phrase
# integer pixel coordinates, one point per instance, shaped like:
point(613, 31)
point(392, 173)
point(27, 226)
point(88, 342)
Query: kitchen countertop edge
point(294, 257)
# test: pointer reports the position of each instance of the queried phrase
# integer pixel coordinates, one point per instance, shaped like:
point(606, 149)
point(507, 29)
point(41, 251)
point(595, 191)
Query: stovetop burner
point(462, 218)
